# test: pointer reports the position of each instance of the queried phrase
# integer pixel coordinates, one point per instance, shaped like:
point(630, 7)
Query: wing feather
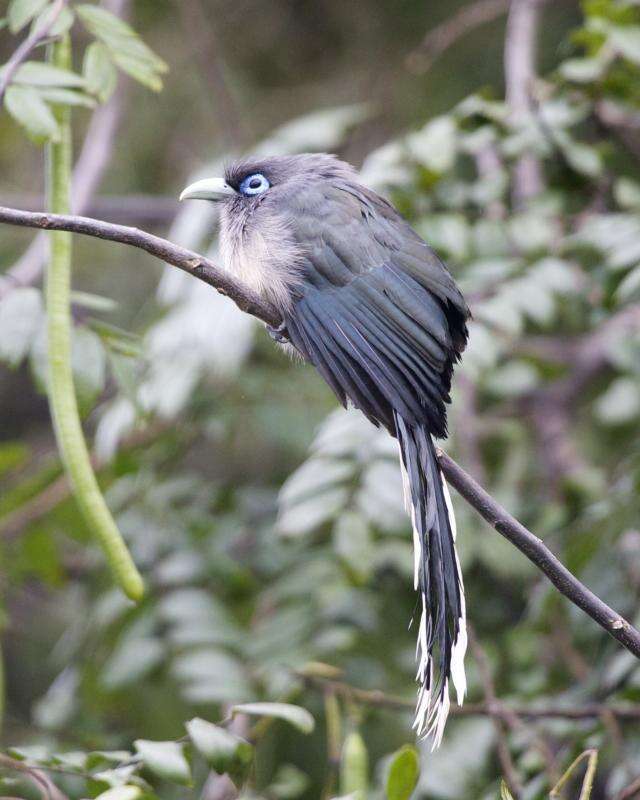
point(376, 311)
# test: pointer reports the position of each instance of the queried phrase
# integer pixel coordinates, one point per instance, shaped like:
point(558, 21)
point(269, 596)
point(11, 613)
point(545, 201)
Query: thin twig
point(630, 791)
point(445, 35)
point(499, 722)
point(38, 35)
point(551, 408)
point(56, 492)
point(47, 788)
point(199, 27)
point(131, 209)
point(468, 429)
point(624, 712)
point(251, 303)
point(587, 784)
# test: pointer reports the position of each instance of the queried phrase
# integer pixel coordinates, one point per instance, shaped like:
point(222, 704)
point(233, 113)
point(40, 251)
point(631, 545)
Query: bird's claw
point(278, 334)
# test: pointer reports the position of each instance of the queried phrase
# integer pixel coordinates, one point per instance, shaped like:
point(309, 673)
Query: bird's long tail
point(442, 634)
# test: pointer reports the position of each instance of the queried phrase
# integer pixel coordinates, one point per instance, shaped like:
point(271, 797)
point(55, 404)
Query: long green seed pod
point(62, 397)
point(354, 767)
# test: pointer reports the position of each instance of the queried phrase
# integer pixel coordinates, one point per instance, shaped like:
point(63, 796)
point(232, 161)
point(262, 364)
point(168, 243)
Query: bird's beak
point(208, 189)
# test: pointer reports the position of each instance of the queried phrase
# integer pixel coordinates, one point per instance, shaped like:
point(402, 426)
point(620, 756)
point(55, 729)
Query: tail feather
point(442, 635)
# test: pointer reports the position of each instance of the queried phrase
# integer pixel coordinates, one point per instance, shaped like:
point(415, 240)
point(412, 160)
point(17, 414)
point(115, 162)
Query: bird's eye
point(254, 184)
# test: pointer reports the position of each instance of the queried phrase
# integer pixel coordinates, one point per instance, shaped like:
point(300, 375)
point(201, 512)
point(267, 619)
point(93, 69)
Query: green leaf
point(583, 70)
point(629, 288)
point(139, 69)
point(13, 454)
point(126, 792)
point(94, 302)
point(299, 717)
point(435, 145)
point(67, 97)
point(29, 110)
point(21, 12)
point(627, 193)
point(99, 71)
point(89, 362)
point(125, 47)
point(132, 660)
point(288, 783)
point(21, 314)
point(36, 73)
point(222, 750)
point(505, 794)
point(403, 773)
point(117, 34)
point(165, 759)
point(63, 23)
point(313, 511)
point(352, 541)
point(210, 676)
point(620, 403)
point(626, 40)
point(584, 159)
point(513, 379)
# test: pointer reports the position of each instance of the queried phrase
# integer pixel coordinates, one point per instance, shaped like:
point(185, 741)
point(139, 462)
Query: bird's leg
point(278, 334)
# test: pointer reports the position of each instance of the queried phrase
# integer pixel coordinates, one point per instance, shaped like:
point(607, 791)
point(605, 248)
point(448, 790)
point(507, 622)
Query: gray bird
point(370, 305)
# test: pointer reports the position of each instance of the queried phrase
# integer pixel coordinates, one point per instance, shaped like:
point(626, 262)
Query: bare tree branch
point(56, 492)
point(251, 303)
point(444, 36)
point(130, 209)
point(187, 260)
point(500, 723)
point(39, 34)
point(630, 791)
point(552, 407)
point(200, 29)
point(520, 50)
point(539, 554)
point(624, 712)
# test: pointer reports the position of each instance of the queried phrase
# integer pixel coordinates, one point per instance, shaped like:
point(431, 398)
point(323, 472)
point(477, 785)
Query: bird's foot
point(278, 334)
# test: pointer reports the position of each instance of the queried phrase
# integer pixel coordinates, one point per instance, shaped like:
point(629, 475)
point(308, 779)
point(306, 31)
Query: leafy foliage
point(35, 85)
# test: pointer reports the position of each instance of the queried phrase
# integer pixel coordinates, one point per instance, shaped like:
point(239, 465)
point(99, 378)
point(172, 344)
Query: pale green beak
point(208, 189)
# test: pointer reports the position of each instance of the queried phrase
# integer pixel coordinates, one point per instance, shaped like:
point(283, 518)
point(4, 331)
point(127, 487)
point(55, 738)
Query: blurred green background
point(268, 525)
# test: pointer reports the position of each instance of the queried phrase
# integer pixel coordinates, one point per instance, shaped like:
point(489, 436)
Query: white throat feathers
point(264, 256)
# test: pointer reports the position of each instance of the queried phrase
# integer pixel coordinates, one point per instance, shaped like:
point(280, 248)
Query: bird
point(369, 304)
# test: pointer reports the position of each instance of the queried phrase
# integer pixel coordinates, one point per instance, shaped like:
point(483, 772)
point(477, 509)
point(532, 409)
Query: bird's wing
point(376, 311)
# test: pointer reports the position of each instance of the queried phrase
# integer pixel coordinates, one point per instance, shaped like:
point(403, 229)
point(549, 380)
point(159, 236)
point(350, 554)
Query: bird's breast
point(262, 253)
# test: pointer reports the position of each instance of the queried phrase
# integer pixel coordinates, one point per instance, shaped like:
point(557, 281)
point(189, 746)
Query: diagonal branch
point(251, 303)
point(538, 553)
point(187, 260)
point(439, 39)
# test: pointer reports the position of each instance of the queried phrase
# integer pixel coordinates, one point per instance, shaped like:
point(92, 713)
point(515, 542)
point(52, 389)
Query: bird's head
point(253, 182)
point(265, 205)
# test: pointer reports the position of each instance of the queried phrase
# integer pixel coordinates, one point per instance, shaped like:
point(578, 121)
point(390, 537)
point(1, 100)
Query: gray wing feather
point(376, 310)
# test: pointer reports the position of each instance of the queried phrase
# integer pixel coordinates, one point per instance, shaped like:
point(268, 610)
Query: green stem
point(3, 687)
point(587, 785)
point(62, 397)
